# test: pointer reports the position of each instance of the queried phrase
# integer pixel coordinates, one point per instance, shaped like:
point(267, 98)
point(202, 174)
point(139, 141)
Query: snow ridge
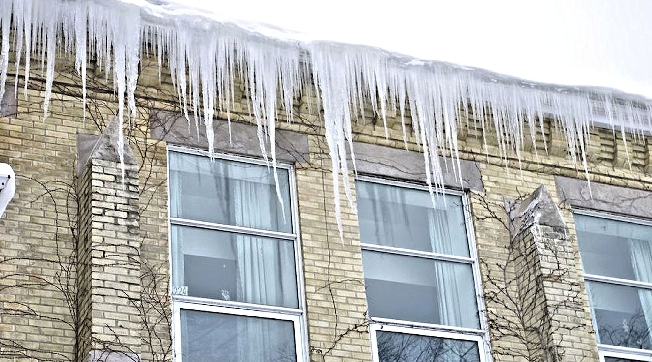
point(205, 55)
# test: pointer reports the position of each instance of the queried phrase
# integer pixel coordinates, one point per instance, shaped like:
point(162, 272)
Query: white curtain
point(449, 292)
point(261, 279)
point(641, 253)
point(391, 223)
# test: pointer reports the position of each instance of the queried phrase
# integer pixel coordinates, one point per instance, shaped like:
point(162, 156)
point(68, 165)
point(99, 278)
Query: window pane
point(405, 218)
point(228, 266)
point(228, 192)
point(218, 337)
point(616, 359)
point(420, 290)
point(400, 347)
point(615, 248)
point(623, 315)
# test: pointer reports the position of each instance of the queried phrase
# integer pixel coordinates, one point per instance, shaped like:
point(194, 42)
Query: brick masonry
point(88, 239)
point(109, 268)
point(550, 292)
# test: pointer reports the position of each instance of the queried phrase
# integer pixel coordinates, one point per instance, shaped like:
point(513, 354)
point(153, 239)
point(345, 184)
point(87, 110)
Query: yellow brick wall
point(39, 228)
point(334, 283)
point(37, 278)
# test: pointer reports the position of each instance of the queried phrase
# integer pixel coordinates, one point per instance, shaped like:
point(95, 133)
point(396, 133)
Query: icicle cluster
point(205, 56)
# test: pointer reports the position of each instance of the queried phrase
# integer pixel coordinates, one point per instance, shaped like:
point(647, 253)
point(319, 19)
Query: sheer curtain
point(260, 278)
point(641, 253)
point(448, 291)
point(391, 226)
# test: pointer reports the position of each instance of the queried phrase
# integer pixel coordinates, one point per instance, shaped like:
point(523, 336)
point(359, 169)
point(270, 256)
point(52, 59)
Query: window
point(420, 271)
point(234, 245)
point(617, 260)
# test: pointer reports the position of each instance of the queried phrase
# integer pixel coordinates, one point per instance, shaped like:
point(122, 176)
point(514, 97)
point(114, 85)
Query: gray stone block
point(377, 160)
point(603, 197)
point(241, 139)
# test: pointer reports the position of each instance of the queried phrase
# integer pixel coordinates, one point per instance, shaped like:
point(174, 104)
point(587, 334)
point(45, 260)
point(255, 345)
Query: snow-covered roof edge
point(205, 55)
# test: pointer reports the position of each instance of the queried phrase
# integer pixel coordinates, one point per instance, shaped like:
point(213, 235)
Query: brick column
point(553, 302)
point(108, 251)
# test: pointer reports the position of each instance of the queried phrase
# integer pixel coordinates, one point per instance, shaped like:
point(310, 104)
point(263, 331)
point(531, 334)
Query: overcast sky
point(576, 42)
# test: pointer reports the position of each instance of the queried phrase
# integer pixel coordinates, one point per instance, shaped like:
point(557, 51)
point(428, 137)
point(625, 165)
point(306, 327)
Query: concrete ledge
point(402, 164)
point(538, 209)
point(102, 147)
point(174, 129)
point(85, 145)
point(603, 197)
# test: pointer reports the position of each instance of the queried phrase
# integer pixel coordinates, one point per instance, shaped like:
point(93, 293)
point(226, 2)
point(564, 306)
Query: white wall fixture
point(7, 186)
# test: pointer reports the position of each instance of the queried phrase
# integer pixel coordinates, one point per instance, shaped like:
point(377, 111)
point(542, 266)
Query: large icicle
point(206, 56)
point(5, 22)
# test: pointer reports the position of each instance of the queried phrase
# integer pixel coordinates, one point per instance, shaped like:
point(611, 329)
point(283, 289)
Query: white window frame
point(179, 302)
point(481, 336)
point(628, 355)
point(606, 350)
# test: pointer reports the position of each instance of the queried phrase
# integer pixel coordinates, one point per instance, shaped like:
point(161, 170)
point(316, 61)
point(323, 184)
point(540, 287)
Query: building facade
point(164, 251)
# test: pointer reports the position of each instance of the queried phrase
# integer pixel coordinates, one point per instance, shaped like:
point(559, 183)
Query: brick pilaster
point(109, 258)
point(552, 297)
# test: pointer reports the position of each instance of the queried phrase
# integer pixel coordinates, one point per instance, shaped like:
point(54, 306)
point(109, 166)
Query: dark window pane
point(420, 290)
point(228, 266)
point(405, 218)
point(218, 337)
point(401, 347)
point(623, 315)
point(228, 192)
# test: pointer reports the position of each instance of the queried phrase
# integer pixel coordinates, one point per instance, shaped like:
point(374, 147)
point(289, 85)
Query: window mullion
point(416, 253)
point(624, 353)
point(474, 333)
point(602, 215)
point(232, 228)
point(618, 281)
point(237, 305)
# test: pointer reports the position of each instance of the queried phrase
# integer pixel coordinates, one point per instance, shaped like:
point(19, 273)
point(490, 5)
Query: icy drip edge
point(439, 95)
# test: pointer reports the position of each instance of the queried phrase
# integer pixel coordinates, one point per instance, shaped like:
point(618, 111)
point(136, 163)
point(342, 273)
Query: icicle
point(206, 57)
point(81, 46)
point(5, 28)
point(333, 79)
point(18, 26)
point(50, 55)
point(27, 32)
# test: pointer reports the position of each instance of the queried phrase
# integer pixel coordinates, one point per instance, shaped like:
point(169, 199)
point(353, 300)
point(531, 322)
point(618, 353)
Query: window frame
point(481, 336)
point(180, 302)
point(628, 355)
point(607, 350)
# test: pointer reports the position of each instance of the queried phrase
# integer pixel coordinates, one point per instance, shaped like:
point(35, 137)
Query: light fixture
point(7, 186)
